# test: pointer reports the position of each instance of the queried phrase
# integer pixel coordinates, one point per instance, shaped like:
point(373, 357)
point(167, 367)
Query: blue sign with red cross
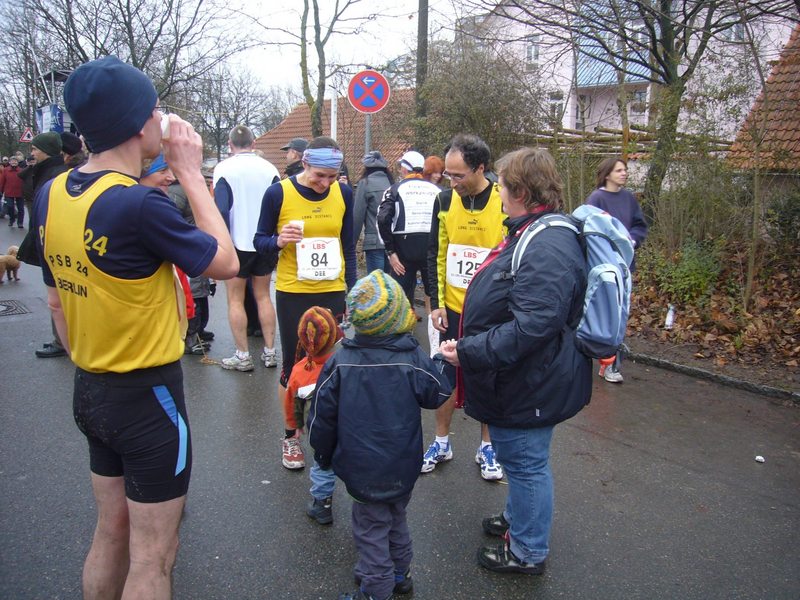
point(368, 91)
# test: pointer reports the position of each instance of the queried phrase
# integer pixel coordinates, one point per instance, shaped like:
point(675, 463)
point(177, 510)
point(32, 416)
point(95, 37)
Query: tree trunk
point(669, 109)
point(319, 101)
point(622, 107)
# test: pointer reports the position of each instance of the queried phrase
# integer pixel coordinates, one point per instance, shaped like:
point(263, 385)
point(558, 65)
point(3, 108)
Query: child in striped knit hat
point(317, 334)
point(365, 424)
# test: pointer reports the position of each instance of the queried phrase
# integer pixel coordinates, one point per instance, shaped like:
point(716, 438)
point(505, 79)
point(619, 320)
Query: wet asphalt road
point(658, 494)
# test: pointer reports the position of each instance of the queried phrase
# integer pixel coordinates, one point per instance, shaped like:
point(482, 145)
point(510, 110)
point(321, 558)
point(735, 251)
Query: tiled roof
point(392, 131)
point(780, 149)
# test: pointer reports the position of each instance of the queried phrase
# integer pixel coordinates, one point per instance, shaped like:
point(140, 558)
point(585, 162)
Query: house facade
point(583, 92)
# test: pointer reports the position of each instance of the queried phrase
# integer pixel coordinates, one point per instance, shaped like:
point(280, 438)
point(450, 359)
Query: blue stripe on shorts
point(168, 404)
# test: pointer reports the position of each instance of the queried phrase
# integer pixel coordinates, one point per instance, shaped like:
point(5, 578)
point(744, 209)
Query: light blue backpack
point(608, 249)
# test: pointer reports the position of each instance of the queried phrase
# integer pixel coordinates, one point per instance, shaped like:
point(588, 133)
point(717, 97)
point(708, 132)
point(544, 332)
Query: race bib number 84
point(319, 259)
point(462, 262)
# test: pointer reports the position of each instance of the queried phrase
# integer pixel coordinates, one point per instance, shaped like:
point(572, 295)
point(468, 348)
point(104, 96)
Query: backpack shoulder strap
point(554, 220)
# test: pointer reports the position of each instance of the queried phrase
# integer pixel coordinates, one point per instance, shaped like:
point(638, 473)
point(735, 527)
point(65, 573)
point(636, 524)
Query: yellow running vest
point(322, 229)
point(114, 325)
point(465, 239)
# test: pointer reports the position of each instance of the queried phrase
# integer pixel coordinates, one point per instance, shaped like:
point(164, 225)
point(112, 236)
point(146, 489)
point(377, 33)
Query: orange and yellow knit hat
point(317, 333)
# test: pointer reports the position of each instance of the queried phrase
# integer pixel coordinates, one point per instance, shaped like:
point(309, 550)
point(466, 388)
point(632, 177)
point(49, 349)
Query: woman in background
point(433, 170)
point(375, 180)
point(612, 197)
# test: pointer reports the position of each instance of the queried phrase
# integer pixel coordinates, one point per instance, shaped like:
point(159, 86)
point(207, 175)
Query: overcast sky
point(391, 34)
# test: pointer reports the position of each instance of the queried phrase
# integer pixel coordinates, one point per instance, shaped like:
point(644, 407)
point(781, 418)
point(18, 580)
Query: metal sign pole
point(368, 134)
point(334, 113)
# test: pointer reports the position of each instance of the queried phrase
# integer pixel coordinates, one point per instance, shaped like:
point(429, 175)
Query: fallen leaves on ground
point(719, 330)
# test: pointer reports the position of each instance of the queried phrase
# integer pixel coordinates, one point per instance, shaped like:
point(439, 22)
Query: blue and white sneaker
point(436, 453)
point(490, 468)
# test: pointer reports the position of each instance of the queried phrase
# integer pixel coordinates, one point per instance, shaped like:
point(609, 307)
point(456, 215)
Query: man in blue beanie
point(107, 247)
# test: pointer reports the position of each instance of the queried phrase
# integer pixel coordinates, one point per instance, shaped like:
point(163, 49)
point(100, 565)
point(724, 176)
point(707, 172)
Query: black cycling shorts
point(255, 264)
point(137, 428)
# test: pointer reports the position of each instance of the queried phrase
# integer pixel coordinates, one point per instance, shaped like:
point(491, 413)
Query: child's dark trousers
point(383, 543)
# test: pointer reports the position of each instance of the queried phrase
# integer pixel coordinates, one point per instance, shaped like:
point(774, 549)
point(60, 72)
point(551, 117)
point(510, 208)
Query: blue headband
point(324, 158)
point(159, 164)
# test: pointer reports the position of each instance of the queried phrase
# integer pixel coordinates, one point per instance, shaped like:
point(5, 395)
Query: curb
point(764, 390)
point(755, 388)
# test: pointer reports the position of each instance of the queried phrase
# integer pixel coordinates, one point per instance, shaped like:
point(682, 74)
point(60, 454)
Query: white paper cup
point(298, 223)
point(164, 126)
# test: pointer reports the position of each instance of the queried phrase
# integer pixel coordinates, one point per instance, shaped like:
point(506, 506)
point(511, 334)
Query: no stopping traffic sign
point(368, 91)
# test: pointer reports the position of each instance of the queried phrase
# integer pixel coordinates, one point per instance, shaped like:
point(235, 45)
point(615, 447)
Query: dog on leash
point(9, 264)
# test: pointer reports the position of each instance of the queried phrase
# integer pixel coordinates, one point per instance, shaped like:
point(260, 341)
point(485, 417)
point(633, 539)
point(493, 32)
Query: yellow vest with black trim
point(321, 218)
point(459, 225)
point(114, 325)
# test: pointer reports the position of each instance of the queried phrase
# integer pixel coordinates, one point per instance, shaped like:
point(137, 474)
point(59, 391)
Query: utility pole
point(422, 72)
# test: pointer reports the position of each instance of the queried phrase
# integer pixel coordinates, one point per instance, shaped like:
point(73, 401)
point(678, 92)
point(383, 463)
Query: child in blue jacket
point(365, 423)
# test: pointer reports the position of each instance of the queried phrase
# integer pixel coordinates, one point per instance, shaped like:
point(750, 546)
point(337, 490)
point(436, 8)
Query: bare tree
point(21, 71)
point(173, 41)
point(339, 22)
point(227, 97)
point(661, 41)
point(318, 25)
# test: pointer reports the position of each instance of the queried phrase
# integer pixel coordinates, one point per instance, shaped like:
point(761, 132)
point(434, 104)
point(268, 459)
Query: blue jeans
point(322, 482)
point(525, 456)
point(15, 209)
point(376, 259)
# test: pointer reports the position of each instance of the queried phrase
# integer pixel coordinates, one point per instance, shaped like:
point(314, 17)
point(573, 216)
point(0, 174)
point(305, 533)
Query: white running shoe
point(612, 374)
point(234, 363)
point(435, 454)
point(269, 358)
point(490, 468)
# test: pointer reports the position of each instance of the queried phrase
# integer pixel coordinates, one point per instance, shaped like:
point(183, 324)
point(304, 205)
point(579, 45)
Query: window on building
point(736, 33)
point(556, 110)
point(533, 43)
point(581, 111)
point(638, 104)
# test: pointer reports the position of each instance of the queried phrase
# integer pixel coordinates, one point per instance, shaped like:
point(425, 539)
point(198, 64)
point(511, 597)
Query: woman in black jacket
point(521, 371)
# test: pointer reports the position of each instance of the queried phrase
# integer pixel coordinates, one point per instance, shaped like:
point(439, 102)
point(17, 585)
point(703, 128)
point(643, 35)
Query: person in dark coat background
point(522, 373)
point(294, 156)
point(375, 180)
point(46, 149)
point(72, 150)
